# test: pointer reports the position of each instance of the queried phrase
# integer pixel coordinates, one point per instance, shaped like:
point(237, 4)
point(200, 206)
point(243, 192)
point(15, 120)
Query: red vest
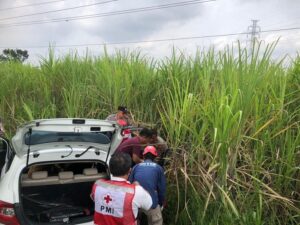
point(113, 203)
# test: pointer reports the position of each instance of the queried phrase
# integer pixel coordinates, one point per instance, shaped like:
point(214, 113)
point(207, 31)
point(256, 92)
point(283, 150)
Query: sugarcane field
point(149, 112)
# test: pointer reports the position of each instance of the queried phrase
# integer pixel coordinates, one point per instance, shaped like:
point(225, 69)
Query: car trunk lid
point(65, 137)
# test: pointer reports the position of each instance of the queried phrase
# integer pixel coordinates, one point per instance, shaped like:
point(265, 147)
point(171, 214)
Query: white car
point(49, 168)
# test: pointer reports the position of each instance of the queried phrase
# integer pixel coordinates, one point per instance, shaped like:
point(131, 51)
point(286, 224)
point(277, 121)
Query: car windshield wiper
point(82, 153)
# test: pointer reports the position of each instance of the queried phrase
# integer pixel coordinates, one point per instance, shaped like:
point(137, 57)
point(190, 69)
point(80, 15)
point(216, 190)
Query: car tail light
point(7, 214)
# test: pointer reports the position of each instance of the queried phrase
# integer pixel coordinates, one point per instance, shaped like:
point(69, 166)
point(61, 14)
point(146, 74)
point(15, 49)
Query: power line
point(29, 5)
point(166, 39)
point(113, 13)
point(280, 29)
point(57, 10)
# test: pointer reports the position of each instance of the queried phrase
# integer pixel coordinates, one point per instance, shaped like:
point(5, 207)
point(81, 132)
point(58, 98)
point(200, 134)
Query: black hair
point(122, 108)
point(120, 164)
point(145, 132)
point(150, 156)
point(154, 131)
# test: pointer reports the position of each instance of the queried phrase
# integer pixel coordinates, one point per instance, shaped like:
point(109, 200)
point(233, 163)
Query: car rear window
point(41, 137)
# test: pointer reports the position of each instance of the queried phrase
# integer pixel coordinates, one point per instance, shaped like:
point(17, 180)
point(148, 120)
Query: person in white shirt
point(116, 200)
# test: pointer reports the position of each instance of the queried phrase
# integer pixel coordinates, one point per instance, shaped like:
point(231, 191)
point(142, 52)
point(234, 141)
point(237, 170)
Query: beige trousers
point(154, 216)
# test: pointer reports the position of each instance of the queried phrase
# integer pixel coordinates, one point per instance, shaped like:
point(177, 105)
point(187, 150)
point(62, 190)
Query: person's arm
point(136, 152)
point(92, 195)
point(142, 198)
point(131, 175)
point(111, 117)
point(136, 159)
point(2, 131)
point(161, 189)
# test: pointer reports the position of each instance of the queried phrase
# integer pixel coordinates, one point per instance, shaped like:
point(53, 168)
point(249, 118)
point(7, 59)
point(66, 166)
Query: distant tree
point(11, 55)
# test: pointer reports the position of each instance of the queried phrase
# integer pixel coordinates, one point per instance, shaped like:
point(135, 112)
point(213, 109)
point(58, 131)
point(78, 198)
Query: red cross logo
point(107, 199)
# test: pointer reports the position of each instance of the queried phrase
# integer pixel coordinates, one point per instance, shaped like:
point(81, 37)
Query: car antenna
point(28, 150)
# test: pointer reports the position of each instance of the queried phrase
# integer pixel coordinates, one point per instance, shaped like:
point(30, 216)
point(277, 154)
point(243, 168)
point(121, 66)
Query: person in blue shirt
point(151, 177)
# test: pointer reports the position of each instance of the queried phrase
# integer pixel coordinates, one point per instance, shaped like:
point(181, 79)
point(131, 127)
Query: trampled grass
point(233, 123)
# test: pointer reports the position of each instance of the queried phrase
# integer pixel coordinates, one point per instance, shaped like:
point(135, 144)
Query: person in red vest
point(117, 201)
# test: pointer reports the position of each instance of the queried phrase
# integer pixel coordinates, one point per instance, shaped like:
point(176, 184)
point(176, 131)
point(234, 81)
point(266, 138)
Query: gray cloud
point(138, 26)
point(222, 16)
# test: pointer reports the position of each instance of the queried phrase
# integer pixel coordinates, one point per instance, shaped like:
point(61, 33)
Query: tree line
point(14, 55)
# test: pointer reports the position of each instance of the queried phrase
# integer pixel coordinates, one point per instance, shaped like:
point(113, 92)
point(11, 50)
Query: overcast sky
point(209, 18)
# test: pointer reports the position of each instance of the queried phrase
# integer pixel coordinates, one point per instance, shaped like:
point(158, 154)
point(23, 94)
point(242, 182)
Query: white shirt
point(141, 199)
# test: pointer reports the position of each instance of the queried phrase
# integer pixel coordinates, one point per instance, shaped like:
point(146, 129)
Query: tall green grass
point(232, 120)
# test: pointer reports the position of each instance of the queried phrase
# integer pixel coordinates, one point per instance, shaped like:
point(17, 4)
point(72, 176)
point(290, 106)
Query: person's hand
point(164, 205)
point(160, 148)
point(1, 132)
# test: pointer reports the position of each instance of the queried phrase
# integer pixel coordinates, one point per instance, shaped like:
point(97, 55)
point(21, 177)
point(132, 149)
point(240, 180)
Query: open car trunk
point(59, 193)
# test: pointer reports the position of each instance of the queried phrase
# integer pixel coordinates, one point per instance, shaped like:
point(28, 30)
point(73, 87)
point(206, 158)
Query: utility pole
point(253, 32)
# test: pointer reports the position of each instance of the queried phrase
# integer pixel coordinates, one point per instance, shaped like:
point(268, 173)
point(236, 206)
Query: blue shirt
point(151, 177)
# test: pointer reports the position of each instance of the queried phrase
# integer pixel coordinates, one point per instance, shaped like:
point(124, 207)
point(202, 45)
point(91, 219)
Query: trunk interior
point(59, 193)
